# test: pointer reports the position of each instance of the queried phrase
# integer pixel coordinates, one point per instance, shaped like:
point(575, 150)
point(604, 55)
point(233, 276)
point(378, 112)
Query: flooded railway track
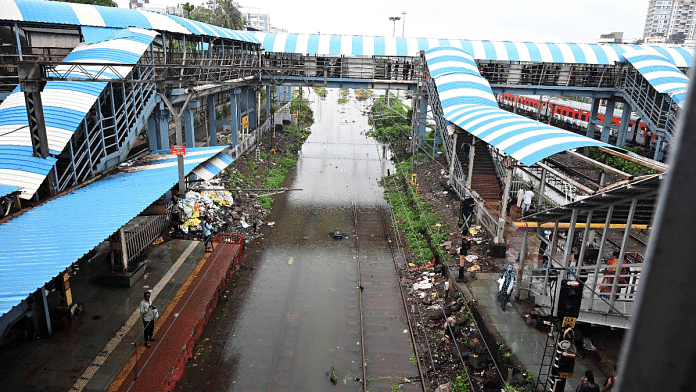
point(377, 280)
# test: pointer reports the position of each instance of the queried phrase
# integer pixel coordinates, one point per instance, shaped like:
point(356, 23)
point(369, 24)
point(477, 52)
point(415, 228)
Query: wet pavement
point(87, 352)
point(301, 317)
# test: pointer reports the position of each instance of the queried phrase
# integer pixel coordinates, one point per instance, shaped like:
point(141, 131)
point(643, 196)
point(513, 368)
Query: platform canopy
point(660, 72)
point(62, 14)
point(468, 101)
point(65, 107)
point(547, 52)
point(39, 244)
point(644, 190)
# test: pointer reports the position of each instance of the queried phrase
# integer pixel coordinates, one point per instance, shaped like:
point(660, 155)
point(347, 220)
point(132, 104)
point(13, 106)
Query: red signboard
point(178, 150)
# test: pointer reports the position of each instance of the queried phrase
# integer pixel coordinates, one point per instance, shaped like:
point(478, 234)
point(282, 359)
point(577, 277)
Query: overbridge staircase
point(484, 179)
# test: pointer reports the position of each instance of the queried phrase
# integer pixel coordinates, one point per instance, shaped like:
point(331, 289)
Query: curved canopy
point(65, 106)
point(55, 12)
point(548, 52)
point(468, 101)
point(660, 73)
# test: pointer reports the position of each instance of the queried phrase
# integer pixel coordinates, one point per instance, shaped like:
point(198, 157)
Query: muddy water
point(301, 318)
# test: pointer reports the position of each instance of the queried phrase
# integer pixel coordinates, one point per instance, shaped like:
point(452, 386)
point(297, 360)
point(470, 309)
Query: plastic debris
point(158, 241)
point(473, 268)
point(471, 258)
point(244, 224)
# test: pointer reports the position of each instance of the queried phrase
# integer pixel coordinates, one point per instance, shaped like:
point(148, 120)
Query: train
point(571, 112)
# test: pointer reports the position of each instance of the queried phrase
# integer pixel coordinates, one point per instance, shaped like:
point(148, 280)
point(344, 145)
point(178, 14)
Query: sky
point(511, 20)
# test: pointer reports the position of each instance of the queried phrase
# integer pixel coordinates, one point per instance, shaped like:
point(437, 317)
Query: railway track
point(384, 320)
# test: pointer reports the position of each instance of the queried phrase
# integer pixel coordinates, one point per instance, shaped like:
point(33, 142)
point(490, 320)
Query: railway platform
point(95, 350)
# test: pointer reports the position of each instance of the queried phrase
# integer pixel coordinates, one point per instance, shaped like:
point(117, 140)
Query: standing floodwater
point(302, 316)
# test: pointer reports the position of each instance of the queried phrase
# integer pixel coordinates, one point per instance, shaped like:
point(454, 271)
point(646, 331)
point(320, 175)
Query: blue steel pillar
point(189, 128)
point(253, 116)
point(608, 118)
point(158, 128)
point(268, 102)
point(235, 118)
point(592, 121)
point(422, 118)
point(212, 121)
point(623, 127)
point(658, 148)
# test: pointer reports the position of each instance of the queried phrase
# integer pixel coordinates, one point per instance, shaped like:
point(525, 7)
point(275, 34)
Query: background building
point(670, 21)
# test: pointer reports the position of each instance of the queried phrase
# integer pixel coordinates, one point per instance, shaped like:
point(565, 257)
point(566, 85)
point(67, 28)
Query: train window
point(565, 113)
point(583, 118)
point(577, 115)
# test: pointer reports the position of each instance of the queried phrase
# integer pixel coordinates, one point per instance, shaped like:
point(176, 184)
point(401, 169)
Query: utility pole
point(403, 23)
point(394, 19)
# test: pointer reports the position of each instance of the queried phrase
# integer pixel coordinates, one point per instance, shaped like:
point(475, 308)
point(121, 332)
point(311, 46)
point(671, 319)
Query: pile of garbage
point(225, 212)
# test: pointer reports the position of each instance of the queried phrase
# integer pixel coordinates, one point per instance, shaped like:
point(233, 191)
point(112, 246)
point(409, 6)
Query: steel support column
point(189, 127)
point(592, 121)
point(623, 127)
point(235, 118)
point(608, 118)
point(423, 116)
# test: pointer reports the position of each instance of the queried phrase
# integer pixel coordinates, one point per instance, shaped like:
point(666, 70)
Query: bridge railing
point(346, 67)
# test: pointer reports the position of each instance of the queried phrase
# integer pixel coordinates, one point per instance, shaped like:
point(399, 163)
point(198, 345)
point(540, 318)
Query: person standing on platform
point(520, 198)
point(505, 285)
point(207, 233)
point(527, 199)
point(147, 311)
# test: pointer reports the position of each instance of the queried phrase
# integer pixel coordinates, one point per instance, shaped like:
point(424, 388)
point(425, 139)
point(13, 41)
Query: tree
point(105, 3)
point(188, 8)
point(223, 13)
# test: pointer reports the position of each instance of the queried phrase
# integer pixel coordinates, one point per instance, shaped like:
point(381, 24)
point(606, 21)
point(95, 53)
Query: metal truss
point(178, 74)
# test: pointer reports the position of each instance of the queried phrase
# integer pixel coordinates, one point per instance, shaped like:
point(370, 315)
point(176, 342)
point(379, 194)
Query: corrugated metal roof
point(6, 189)
point(65, 106)
point(357, 45)
point(41, 243)
point(91, 15)
point(213, 166)
point(468, 101)
point(660, 73)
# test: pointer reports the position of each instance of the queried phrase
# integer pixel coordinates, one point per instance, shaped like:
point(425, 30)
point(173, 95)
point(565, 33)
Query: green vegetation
point(362, 94)
point(417, 218)
point(343, 98)
point(625, 166)
point(461, 383)
point(223, 13)
point(275, 178)
point(321, 92)
point(391, 122)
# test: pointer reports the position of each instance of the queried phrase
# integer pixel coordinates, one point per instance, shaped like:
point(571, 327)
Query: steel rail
point(403, 297)
point(362, 327)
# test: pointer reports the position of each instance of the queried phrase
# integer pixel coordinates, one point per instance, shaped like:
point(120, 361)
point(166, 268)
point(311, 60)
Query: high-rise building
point(670, 21)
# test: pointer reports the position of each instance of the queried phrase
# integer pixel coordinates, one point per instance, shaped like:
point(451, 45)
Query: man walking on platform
point(527, 200)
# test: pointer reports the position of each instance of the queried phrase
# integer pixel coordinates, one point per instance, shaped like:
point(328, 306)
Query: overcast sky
point(513, 20)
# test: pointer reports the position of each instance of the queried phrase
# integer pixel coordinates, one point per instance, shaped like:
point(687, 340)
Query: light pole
point(403, 23)
point(394, 19)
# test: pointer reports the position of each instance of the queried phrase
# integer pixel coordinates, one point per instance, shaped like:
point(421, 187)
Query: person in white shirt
point(527, 200)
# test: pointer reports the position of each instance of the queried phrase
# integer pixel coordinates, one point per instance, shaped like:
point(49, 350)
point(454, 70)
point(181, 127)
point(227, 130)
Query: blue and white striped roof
point(74, 224)
point(65, 106)
point(213, 166)
point(358, 45)
point(467, 100)
point(660, 73)
point(93, 15)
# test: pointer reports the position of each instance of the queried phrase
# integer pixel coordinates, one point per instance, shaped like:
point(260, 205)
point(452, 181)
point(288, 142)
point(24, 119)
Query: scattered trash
point(158, 241)
point(587, 344)
point(244, 224)
point(290, 261)
point(473, 268)
point(270, 224)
